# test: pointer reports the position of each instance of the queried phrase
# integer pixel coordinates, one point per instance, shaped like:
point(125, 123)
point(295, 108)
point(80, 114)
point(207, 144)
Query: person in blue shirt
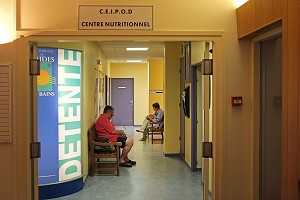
point(158, 116)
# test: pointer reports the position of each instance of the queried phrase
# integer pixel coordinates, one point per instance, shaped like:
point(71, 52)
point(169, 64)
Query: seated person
point(105, 128)
point(158, 116)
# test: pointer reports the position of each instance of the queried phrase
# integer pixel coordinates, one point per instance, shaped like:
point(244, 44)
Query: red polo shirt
point(105, 128)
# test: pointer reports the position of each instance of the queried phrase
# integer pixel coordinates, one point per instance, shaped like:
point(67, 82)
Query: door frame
point(194, 122)
point(219, 125)
point(255, 77)
point(182, 116)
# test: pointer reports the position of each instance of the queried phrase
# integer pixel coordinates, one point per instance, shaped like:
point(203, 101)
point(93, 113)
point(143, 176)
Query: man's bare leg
point(126, 150)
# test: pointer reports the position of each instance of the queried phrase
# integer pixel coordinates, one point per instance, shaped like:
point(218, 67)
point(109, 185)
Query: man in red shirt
point(105, 128)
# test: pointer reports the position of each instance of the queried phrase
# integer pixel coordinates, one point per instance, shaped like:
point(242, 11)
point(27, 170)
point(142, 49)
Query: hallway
point(154, 177)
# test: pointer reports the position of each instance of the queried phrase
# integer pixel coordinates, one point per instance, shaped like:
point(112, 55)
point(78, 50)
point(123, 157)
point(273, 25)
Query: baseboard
point(172, 155)
point(187, 164)
point(209, 192)
point(85, 178)
point(199, 169)
point(55, 190)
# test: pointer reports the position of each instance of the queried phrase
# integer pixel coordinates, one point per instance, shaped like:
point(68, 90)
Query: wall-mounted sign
point(94, 17)
point(155, 91)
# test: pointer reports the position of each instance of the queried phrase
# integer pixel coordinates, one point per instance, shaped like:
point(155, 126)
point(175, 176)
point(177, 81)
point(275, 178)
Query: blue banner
point(48, 115)
point(59, 105)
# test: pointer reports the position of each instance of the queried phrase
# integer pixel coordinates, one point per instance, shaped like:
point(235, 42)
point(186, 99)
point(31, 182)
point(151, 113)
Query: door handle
point(131, 102)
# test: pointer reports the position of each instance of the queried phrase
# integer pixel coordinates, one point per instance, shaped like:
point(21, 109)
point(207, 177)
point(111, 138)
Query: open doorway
point(91, 118)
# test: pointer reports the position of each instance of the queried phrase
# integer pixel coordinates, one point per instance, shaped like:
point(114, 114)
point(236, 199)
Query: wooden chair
point(98, 151)
point(156, 131)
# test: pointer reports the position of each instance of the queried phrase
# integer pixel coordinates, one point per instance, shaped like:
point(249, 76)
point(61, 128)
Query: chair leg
point(93, 167)
point(152, 137)
point(89, 164)
point(118, 161)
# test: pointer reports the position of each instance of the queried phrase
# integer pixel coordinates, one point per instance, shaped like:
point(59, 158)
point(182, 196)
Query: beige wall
point(156, 74)
point(172, 97)
point(161, 21)
point(7, 23)
point(234, 132)
point(67, 45)
point(139, 72)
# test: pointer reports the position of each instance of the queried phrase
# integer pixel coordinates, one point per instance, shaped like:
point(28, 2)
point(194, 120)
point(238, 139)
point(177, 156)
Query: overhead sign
point(94, 17)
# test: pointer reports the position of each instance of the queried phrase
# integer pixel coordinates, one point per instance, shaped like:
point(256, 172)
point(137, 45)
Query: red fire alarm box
point(236, 101)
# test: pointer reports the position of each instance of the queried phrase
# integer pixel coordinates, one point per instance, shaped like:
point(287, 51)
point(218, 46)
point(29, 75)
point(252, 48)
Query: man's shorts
point(123, 140)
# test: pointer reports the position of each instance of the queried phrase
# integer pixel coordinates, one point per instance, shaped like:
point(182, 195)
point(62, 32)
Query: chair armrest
point(101, 144)
point(156, 122)
point(159, 128)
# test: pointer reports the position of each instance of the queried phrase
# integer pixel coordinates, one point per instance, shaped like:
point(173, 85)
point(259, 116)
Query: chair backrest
point(91, 135)
point(161, 126)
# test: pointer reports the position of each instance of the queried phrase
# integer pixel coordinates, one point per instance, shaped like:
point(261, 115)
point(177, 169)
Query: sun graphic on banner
point(44, 78)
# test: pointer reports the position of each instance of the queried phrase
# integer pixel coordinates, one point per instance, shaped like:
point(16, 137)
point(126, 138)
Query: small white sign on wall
point(95, 17)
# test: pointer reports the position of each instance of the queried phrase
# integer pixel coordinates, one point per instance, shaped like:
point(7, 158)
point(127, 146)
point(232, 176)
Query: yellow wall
point(139, 72)
point(172, 97)
point(105, 65)
point(156, 78)
point(90, 56)
point(102, 69)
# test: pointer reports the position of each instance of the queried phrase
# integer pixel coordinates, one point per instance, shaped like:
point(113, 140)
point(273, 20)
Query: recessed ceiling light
point(137, 49)
point(133, 61)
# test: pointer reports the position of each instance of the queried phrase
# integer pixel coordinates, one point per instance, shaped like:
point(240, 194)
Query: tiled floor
point(154, 177)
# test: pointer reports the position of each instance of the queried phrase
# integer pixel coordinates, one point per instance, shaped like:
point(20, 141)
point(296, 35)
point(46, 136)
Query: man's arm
point(159, 116)
point(119, 132)
point(150, 117)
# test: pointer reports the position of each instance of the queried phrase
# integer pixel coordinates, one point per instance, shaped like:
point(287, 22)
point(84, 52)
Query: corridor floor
point(154, 177)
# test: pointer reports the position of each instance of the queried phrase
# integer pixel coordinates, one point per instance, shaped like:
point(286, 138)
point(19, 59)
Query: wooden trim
point(257, 14)
point(290, 100)
point(261, 30)
point(170, 155)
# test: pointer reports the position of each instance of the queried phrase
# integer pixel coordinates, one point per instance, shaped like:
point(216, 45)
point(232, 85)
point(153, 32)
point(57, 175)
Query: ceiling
point(115, 51)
